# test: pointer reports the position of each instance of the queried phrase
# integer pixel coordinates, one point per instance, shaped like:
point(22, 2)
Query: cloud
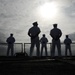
point(68, 7)
point(72, 36)
point(17, 16)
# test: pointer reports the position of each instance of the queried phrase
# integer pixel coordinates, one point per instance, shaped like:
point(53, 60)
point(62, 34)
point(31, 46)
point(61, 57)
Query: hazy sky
point(17, 16)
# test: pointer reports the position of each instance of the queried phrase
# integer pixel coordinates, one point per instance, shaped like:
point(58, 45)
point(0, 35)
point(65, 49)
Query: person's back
point(34, 31)
point(55, 33)
point(67, 43)
point(34, 34)
point(10, 40)
point(44, 41)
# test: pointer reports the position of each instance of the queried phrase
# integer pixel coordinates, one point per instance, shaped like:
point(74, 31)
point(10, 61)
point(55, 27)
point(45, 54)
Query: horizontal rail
point(23, 45)
point(47, 43)
point(14, 44)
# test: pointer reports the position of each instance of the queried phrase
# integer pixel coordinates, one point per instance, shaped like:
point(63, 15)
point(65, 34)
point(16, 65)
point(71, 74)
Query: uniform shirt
point(34, 31)
point(55, 33)
point(10, 40)
point(67, 41)
point(43, 40)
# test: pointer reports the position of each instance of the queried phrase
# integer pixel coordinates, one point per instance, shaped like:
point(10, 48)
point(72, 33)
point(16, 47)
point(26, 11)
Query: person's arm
point(32, 37)
point(70, 40)
point(29, 33)
point(46, 39)
point(60, 34)
point(14, 39)
point(64, 41)
point(51, 34)
point(38, 32)
point(40, 40)
point(7, 40)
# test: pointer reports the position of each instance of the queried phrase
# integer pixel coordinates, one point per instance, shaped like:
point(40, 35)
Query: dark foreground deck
point(37, 65)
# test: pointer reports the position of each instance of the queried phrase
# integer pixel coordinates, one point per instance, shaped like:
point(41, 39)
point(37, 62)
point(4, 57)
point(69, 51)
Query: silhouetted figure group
point(55, 33)
point(33, 33)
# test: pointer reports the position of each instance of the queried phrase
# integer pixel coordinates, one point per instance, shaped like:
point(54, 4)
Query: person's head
point(55, 25)
point(43, 35)
point(11, 34)
point(35, 24)
point(66, 36)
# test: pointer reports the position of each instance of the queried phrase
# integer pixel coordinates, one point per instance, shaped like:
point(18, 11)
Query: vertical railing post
point(24, 47)
point(50, 48)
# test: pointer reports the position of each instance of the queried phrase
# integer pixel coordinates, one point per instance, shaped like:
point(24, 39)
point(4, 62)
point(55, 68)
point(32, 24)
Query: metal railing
point(30, 43)
point(18, 47)
point(25, 47)
point(49, 48)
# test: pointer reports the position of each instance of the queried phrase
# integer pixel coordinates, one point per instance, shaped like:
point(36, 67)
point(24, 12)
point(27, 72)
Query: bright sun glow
point(48, 10)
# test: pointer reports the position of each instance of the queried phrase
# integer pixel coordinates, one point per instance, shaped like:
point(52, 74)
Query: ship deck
point(37, 65)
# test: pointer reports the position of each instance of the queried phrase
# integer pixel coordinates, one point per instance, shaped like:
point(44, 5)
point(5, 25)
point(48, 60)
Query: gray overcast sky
point(17, 16)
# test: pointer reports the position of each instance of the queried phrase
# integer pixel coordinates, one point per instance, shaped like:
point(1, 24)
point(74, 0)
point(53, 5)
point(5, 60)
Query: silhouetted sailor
point(44, 41)
point(67, 43)
point(10, 40)
point(55, 34)
point(34, 34)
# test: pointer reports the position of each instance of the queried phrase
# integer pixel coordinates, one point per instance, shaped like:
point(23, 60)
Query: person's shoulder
point(65, 39)
point(58, 28)
point(43, 37)
point(13, 37)
point(69, 39)
point(8, 38)
point(52, 29)
point(46, 37)
point(30, 28)
point(38, 27)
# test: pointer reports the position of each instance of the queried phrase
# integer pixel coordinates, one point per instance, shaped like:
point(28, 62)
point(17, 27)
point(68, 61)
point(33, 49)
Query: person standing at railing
point(44, 41)
point(67, 43)
point(55, 33)
point(10, 40)
point(34, 34)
